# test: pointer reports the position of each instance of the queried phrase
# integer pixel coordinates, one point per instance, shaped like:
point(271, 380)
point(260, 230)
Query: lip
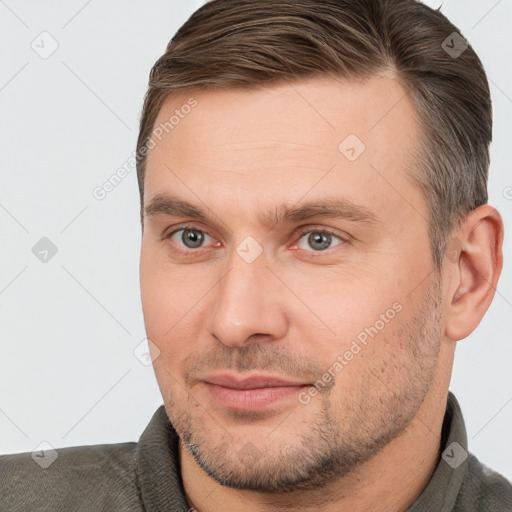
point(253, 393)
point(252, 382)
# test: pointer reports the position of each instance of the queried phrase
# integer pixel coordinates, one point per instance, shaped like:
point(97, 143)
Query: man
point(316, 239)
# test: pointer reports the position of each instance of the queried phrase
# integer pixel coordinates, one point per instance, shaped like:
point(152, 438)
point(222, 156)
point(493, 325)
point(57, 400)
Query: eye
point(189, 237)
point(318, 240)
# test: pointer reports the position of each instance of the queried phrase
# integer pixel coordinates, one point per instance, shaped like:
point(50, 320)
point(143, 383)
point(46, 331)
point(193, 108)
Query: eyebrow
point(164, 204)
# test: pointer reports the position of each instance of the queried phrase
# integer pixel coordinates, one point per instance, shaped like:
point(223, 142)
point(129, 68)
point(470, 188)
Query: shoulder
point(483, 489)
point(96, 477)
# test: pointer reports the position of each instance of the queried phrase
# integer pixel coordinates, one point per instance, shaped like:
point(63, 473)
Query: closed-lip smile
point(255, 392)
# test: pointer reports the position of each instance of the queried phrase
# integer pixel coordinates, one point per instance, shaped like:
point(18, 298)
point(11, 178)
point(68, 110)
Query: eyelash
point(300, 234)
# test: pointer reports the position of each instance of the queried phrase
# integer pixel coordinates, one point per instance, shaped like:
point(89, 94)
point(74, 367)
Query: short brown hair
point(246, 44)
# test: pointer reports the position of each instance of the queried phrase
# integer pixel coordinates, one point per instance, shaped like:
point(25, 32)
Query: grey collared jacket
point(145, 476)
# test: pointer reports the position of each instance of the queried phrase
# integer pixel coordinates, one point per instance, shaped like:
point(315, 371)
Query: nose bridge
point(246, 302)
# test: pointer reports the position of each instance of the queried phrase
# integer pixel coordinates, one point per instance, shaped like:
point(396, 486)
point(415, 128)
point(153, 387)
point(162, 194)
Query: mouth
point(254, 393)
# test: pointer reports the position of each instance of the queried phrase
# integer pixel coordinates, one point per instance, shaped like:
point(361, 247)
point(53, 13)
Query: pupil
point(322, 239)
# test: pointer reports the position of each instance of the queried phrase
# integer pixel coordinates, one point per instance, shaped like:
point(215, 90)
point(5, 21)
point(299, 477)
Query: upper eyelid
point(304, 229)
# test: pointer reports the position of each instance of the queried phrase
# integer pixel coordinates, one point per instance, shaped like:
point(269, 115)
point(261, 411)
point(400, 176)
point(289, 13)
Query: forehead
point(285, 137)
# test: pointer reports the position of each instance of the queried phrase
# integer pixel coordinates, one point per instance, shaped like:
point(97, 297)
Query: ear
point(473, 263)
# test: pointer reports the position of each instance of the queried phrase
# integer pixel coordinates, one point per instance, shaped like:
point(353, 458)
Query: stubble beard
point(334, 443)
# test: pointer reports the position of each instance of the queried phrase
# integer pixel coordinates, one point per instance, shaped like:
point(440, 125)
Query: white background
point(69, 326)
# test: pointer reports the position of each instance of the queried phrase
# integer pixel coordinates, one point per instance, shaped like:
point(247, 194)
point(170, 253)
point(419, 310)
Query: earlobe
point(473, 262)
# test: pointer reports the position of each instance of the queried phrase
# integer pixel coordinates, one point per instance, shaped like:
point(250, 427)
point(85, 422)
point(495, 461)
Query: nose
point(248, 304)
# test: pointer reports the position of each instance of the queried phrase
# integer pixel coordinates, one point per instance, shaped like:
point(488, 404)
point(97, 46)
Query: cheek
point(168, 312)
point(167, 294)
point(341, 307)
point(159, 302)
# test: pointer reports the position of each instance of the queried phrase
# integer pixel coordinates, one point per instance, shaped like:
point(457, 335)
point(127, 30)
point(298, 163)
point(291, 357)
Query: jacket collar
point(161, 486)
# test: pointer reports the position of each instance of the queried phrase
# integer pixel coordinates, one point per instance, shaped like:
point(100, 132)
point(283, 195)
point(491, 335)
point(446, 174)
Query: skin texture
point(369, 438)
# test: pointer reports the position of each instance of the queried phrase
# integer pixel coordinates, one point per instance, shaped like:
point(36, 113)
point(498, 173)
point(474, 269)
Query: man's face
point(341, 306)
